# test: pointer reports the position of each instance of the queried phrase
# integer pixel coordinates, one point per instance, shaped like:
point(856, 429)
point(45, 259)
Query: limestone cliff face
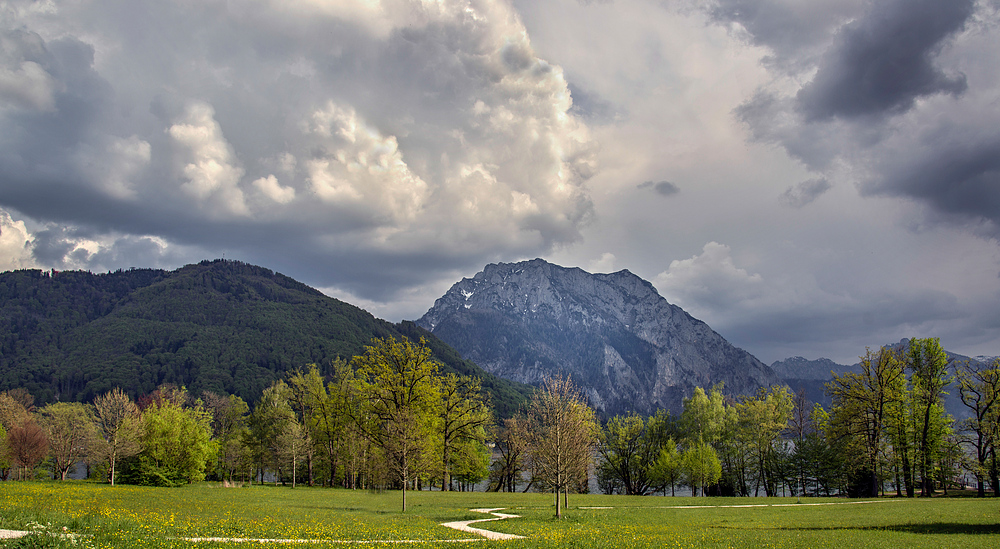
point(613, 333)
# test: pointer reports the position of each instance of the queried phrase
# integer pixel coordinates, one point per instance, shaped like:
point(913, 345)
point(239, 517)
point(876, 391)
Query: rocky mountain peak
point(620, 340)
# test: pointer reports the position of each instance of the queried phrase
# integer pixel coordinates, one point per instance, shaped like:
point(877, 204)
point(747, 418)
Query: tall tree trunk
point(994, 476)
point(926, 482)
point(558, 509)
point(333, 463)
point(446, 472)
point(981, 474)
point(907, 474)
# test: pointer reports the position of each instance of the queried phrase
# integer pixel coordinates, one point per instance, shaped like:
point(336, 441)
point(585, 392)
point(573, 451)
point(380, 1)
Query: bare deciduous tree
point(563, 436)
point(69, 428)
point(119, 425)
point(27, 446)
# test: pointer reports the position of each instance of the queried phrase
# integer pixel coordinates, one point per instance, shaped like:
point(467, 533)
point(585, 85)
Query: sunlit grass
point(129, 516)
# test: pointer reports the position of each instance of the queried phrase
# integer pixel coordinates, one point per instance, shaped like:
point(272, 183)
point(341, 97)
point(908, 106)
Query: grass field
point(128, 516)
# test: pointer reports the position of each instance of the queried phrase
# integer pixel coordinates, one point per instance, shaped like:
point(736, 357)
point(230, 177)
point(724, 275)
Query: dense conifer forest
point(221, 326)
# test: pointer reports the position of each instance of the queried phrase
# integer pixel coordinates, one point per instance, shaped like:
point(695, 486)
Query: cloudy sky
point(807, 176)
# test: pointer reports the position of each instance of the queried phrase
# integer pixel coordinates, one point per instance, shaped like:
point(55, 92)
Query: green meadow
point(103, 516)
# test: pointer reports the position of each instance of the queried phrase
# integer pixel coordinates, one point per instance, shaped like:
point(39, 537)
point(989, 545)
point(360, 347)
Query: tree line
point(887, 429)
point(390, 419)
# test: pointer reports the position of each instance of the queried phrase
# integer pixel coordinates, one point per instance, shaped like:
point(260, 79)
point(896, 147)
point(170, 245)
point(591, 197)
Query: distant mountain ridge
point(798, 367)
point(223, 326)
point(811, 377)
point(624, 344)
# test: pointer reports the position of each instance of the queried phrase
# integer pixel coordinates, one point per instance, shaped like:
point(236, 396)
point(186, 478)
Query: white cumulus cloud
point(412, 136)
point(270, 187)
point(15, 244)
point(710, 280)
point(208, 164)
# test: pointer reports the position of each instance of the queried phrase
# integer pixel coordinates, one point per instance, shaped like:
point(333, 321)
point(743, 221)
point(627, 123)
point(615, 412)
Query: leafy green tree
point(177, 444)
point(706, 419)
point(303, 406)
point(704, 416)
point(463, 413)
point(563, 433)
point(701, 466)
point(979, 389)
point(628, 447)
point(13, 411)
point(951, 462)
point(799, 426)
point(735, 450)
point(268, 424)
point(70, 430)
point(5, 462)
point(293, 444)
point(309, 399)
point(901, 434)
point(762, 420)
point(230, 416)
point(399, 399)
point(861, 403)
point(326, 410)
point(119, 426)
point(470, 462)
point(929, 364)
point(668, 468)
point(821, 455)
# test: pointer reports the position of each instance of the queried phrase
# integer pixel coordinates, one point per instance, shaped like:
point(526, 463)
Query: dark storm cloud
point(885, 61)
point(803, 193)
point(792, 30)
point(52, 245)
point(663, 188)
point(861, 110)
point(771, 119)
point(42, 140)
point(954, 169)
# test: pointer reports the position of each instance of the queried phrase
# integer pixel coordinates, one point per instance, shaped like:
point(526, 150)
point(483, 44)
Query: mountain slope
point(613, 333)
point(222, 326)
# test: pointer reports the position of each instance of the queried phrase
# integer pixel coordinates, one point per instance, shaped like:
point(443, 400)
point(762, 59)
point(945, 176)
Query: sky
point(809, 177)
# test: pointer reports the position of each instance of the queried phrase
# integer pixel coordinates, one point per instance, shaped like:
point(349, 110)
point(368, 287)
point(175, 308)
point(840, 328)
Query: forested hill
point(222, 326)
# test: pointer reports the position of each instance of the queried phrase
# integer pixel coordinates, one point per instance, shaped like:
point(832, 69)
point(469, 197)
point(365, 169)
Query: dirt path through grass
point(488, 534)
point(12, 534)
point(462, 525)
